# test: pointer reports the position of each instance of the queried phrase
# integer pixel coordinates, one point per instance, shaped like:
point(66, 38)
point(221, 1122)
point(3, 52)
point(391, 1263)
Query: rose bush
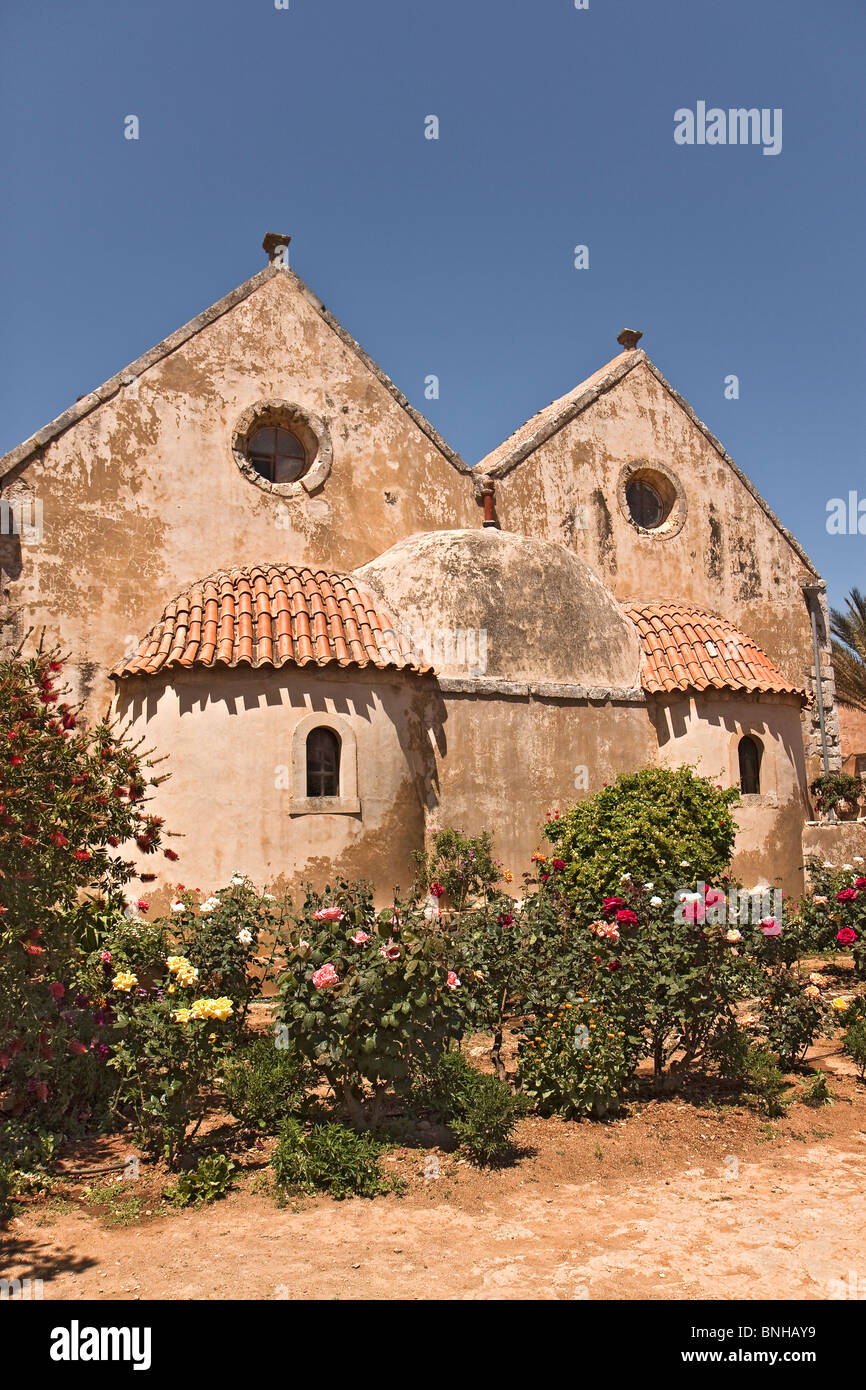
point(365, 994)
point(833, 910)
point(70, 797)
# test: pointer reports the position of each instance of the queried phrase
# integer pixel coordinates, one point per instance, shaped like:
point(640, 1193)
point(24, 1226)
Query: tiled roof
point(272, 615)
point(686, 649)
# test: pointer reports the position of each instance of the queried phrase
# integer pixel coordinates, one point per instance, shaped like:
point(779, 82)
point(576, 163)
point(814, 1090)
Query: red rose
point(847, 895)
point(610, 903)
point(437, 890)
point(558, 864)
point(846, 936)
point(860, 883)
point(626, 916)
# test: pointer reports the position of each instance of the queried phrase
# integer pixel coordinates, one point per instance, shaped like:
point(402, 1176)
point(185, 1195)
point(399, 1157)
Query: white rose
point(655, 902)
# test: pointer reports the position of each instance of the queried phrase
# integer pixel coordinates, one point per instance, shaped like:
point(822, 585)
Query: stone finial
point(629, 338)
point(277, 246)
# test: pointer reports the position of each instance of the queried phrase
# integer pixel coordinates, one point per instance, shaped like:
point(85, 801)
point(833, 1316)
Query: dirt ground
point(675, 1199)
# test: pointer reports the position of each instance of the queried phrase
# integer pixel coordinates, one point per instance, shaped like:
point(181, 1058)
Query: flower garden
point(324, 1032)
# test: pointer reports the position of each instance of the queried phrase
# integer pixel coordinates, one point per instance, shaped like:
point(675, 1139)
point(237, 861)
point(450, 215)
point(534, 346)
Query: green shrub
point(485, 1128)
point(265, 1084)
point(498, 964)
point(8, 1188)
point(223, 936)
point(660, 825)
point(575, 1061)
point(834, 911)
point(70, 796)
point(457, 865)
point(329, 1158)
point(212, 1179)
point(790, 1019)
point(764, 1085)
point(854, 1043)
point(833, 789)
point(481, 1110)
point(366, 994)
point(816, 1091)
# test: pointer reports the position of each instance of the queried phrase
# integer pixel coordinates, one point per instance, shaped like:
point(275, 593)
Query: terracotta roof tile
point(686, 649)
point(272, 615)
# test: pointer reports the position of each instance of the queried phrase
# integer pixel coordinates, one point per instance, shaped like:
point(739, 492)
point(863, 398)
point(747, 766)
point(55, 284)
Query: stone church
point(281, 576)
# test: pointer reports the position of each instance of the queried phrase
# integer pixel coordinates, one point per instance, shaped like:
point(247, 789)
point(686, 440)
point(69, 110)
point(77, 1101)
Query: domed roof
point(546, 616)
point(271, 615)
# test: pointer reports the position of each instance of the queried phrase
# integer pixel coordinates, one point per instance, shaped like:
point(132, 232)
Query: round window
point(281, 448)
point(645, 504)
point(277, 454)
point(652, 499)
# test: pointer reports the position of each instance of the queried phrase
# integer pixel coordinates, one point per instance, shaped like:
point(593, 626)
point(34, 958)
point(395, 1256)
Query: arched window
point(323, 762)
point(750, 766)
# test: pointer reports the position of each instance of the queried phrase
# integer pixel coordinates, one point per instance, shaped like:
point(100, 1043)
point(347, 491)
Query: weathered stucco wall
point(852, 729)
point(728, 557)
point(503, 761)
point(229, 796)
point(142, 495)
point(842, 843)
point(704, 731)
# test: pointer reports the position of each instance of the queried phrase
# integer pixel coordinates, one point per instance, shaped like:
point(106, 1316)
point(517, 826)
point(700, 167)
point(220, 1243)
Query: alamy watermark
point(846, 517)
point(22, 517)
point(735, 126)
point(450, 648)
point(741, 907)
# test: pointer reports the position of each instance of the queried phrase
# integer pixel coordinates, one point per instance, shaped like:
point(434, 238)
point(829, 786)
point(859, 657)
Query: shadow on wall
point(683, 721)
point(412, 705)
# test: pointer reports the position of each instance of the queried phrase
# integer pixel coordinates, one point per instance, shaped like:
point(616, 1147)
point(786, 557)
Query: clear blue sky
point(455, 256)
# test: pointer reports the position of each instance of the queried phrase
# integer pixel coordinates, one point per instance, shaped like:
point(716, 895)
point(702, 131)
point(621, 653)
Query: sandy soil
point(674, 1200)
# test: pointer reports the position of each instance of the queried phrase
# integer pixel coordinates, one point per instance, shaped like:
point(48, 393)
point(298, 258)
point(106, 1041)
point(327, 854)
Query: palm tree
point(849, 652)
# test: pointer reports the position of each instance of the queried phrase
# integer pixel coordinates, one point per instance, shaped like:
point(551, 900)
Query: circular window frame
point(670, 490)
point(312, 431)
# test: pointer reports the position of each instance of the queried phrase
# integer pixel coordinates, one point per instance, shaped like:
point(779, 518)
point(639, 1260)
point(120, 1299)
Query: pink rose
point(325, 977)
point(770, 927)
point(359, 938)
point(390, 952)
point(328, 914)
point(453, 981)
point(846, 936)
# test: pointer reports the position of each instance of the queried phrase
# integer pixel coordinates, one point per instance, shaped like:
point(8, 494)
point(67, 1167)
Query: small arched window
point(750, 766)
point(323, 763)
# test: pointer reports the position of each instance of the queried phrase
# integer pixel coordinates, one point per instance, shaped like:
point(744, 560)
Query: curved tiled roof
point(686, 649)
point(272, 615)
